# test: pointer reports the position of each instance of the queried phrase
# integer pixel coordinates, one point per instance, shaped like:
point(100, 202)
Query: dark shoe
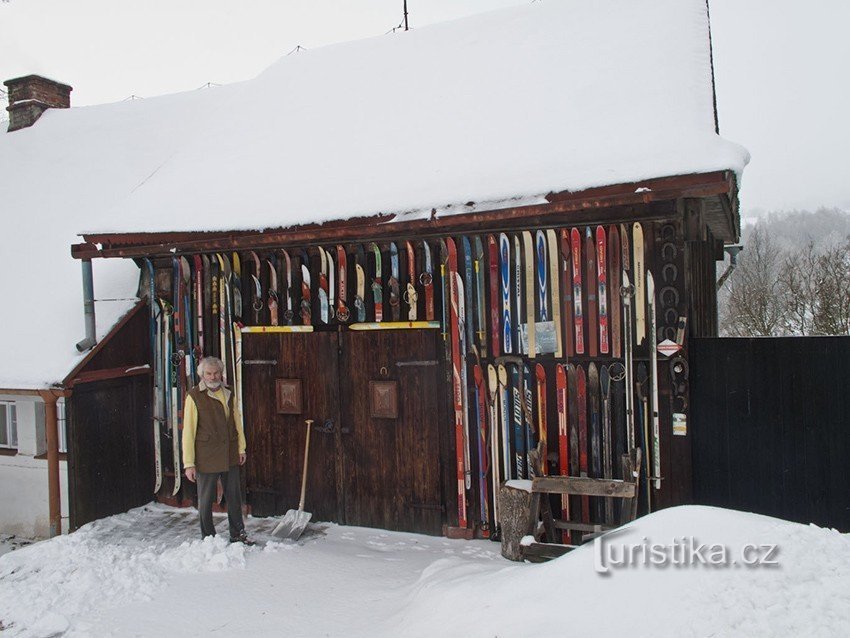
point(242, 538)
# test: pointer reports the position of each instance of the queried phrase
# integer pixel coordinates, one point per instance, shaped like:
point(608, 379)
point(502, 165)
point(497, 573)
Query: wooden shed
point(376, 288)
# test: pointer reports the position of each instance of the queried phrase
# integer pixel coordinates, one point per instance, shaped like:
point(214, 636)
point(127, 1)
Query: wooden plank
point(583, 486)
point(538, 552)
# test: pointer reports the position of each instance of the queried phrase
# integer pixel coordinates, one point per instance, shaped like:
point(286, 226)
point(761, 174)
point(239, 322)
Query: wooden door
point(110, 448)
point(276, 433)
point(392, 465)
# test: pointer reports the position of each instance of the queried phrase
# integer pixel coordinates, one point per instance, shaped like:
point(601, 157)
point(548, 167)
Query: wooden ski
point(495, 296)
point(343, 314)
point(457, 380)
point(581, 384)
point(394, 284)
point(411, 296)
point(578, 309)
point(602, 282)
point(540, 374)
point(567, 288)
point(614, 275)
point(494, 401)
point(530, 327)
point(555, 294)
point(360, 283)
point(479, 303)
point(592, 299)
point(653, 382)
point(377, 287)
point(426, 278)
point(483, 457)
point(640, 284)
point(563, 440)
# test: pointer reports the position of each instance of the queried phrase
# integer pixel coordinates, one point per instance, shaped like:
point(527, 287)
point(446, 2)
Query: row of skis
point(501, 300)
point(577, 294)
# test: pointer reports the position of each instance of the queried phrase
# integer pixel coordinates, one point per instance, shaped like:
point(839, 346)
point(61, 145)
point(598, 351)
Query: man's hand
point(190, 474)
point(242, 458)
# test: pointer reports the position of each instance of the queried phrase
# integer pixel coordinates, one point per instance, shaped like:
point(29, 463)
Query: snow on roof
point(67, 171)
point(510, 104)
point(507, 105)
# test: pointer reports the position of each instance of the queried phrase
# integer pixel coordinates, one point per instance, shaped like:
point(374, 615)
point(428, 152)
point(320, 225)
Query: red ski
point(592, 307)
point(602, 280)
point(614, 286)
point(566, 286)
point(578, 311)
point(563, 440)
point(343, 314)
point(582, 437)
point(543, 447)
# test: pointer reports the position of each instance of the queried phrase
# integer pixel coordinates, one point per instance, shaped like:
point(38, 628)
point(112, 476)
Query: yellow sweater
point(190, 424)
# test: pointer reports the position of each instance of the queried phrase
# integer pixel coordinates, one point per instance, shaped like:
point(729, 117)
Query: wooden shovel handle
point(309, 423)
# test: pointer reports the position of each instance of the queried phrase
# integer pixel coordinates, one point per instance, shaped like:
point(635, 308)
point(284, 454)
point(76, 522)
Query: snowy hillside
point(145, 573)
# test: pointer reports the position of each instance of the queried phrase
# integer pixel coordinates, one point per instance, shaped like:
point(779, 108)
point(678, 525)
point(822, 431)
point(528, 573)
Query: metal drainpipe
point(733, 261)
point(88, 307)
point(51, 424)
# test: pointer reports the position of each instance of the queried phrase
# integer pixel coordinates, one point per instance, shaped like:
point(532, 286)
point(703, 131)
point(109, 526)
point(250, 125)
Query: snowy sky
point(780, 65)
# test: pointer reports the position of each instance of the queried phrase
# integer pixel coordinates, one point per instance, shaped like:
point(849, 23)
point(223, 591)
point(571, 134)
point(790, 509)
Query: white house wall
point(23, 480)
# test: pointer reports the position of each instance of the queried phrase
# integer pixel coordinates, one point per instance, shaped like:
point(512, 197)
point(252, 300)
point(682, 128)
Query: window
point(41, 430)
point(8, 425)
point(60, 422)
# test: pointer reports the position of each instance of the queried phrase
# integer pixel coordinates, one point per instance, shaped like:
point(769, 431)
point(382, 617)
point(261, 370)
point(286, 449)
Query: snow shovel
point(293, 522)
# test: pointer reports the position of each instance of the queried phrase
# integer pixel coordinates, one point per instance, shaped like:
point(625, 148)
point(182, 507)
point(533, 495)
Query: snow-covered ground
point(145, 573)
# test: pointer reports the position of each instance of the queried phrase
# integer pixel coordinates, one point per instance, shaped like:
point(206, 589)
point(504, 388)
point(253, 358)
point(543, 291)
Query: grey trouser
point(232, 493)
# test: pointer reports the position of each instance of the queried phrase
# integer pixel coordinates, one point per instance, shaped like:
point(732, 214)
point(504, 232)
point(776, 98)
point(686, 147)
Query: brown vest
point(216, 438)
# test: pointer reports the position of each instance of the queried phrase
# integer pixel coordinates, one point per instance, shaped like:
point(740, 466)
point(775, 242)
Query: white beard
point(213, 385)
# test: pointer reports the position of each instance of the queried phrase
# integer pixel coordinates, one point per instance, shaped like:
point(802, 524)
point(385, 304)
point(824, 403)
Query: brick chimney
point(32, 95)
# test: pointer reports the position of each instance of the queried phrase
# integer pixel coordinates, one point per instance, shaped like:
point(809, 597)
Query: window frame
point(11, 425)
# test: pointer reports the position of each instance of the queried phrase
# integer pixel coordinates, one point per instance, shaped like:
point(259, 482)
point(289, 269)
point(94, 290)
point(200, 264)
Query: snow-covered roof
point(67, 171)
point(511, 104)
point(503, 106)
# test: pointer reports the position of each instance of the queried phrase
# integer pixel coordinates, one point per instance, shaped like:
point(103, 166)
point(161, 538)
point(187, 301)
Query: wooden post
point(51, 424)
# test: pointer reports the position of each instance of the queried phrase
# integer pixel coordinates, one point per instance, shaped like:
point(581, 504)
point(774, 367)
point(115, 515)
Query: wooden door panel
point(392, 466)
point(276, 441)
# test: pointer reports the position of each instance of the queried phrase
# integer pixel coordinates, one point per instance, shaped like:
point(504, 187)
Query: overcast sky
point(781, 65)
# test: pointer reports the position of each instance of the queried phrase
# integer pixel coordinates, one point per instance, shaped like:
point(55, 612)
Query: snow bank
point(123, 575)
point(806, 593)
point(46, 584)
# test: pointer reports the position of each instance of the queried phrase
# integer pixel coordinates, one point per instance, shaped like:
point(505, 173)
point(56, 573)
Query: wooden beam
point(582, 486)
point(109, 373)
point(102, 343)
point(637, 201)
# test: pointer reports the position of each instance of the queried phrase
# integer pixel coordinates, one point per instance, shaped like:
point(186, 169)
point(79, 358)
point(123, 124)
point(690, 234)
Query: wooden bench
point(525, 514)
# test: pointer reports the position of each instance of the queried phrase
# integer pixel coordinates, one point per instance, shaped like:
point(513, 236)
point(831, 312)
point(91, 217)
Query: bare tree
point(832, 310)
point(754, 305)
point(799, 287)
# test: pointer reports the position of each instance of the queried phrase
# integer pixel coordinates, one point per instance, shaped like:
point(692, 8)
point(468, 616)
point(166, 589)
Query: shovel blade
point(292, 524)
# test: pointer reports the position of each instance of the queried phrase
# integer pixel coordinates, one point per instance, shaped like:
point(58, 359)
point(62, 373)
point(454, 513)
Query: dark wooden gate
point(771, 426)
point(110, 441)
point(364, 470)
point(276, 440)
